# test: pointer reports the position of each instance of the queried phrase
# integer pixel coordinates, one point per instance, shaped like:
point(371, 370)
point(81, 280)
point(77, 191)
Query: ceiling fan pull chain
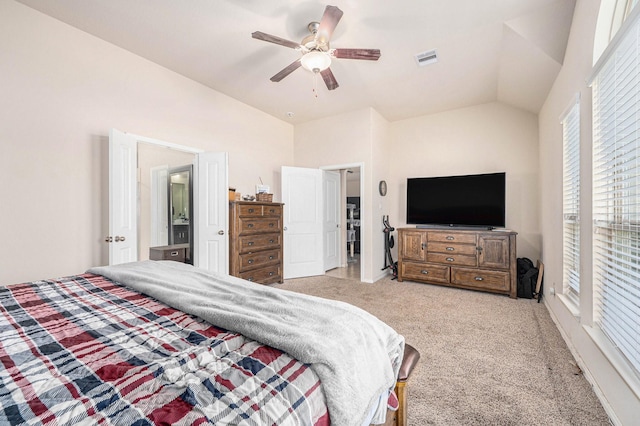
point(315, 84)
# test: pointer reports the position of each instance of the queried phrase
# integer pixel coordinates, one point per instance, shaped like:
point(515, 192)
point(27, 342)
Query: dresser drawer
point(481, 278)
point(267, 275)
point(452, 248)
point(259, 225)
point(452, 259)
point(424, 272)
point(272, 210)
point(249, 243)
point(258, 259)
point(451, 237)
point(250, 210)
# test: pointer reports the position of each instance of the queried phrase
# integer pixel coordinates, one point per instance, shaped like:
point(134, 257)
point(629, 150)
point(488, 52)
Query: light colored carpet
point(485, 359)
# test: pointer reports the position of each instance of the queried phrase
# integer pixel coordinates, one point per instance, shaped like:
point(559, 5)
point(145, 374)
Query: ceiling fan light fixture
point(316, 61)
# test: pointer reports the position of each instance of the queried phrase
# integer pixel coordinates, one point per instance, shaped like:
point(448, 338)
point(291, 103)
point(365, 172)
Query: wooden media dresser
point(473, 259)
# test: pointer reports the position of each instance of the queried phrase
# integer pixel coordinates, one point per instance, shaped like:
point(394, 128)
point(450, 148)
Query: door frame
point(359, 165)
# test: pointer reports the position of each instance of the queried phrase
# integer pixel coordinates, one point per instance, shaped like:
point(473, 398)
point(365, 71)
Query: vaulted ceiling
point(488, 50)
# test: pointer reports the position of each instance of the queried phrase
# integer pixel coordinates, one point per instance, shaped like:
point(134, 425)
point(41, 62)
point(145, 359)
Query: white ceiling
point(489, 50)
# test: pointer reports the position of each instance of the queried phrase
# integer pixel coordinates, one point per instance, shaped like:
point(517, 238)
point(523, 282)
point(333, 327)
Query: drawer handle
point(250, 261)
point(450, 238)
point(173, 253)
point(271, 241)
point(250, 279)
point(271, 225)
point(270, 274)
point(425, 272)
point(270, 257)
point(250, 243)
point(450, 249)
point(479, 279)
point(250, 225)
point(272, 211)
point(251, 210)
point(450, 259)
point(423, 245)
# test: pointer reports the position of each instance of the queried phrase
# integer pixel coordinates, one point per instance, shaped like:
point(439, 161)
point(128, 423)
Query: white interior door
point(303, 222)
point(123, 200)
point(332, 219)
point(211, 206)
point(159, 206)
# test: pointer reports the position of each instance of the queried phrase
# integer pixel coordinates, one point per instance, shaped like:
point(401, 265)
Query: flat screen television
point(471, 201)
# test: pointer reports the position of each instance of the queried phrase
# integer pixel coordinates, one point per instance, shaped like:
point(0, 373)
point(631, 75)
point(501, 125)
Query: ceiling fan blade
point(286, 71)
point(275, 39)
point(328, 23)
point(368, 54)
point(329, 79)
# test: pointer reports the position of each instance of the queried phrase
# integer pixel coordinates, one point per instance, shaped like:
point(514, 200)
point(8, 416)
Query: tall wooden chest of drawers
point(255, 241)
point(478, 260)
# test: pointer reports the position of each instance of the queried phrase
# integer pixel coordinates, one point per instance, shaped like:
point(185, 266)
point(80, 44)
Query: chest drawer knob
point(450, 259)
point(251, 210)
point(450, 238)
point(479, 279)
point(271, 225)
point(425, 272)
point(271, 241)
point(250, 261)
point(250, 225)
point(270, 257)
point(450, 249)
point(250, 243)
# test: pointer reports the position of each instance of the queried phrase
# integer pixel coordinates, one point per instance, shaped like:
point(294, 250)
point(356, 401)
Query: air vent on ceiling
point(426, 58)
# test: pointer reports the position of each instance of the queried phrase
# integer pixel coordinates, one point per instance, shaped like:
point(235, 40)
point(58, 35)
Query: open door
point(123, 217)
point(303, 222)
point(332, 219)
point(211, 206)
point(210, 202)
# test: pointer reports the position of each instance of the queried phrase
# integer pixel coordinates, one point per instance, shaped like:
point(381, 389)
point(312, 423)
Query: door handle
point(221, 232)
point(285, 228)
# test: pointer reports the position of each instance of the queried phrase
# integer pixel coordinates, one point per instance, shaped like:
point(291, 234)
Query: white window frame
point(570, 122)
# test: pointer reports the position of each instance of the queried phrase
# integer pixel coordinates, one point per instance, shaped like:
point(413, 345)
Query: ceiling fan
point(316, 53)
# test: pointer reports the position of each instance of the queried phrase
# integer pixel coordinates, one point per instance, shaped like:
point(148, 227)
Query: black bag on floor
point(527, 278)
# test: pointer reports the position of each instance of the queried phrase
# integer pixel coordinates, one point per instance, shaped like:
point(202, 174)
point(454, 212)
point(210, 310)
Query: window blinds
point(616, 191)
point(571, 201)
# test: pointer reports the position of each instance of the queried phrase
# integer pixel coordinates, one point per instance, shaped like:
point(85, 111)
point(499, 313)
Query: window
point(616, 191)
point(621, 12)
point(571, 202)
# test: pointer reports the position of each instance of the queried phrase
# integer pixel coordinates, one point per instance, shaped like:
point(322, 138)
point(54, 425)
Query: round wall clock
point(382, 187)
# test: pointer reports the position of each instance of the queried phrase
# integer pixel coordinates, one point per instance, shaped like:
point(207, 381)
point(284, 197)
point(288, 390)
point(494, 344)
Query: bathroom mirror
point(180, 209)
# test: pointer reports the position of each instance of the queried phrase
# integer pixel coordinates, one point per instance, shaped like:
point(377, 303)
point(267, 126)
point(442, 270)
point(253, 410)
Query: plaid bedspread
point(85, 350)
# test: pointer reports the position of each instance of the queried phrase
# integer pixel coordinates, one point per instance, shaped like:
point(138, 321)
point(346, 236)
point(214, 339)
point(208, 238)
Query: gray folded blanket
point(355, 355)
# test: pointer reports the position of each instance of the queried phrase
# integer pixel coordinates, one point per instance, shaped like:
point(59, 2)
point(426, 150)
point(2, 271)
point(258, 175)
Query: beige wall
point(622, 403)
point(62, 90)
point(481, 139)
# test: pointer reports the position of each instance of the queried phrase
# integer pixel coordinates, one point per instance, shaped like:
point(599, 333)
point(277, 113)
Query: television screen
point(472, 200)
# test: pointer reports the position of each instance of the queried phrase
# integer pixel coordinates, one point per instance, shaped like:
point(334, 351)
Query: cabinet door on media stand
point(493, 251)
point(412, 245)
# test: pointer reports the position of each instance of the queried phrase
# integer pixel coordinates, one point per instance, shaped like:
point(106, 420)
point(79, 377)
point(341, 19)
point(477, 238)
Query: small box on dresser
point(474, 259)
point(255, 241)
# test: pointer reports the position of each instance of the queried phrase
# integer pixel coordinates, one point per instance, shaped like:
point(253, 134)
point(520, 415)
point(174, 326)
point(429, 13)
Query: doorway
point(351, 237)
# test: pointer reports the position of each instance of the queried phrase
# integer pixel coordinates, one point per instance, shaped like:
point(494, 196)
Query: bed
point(136, 344)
